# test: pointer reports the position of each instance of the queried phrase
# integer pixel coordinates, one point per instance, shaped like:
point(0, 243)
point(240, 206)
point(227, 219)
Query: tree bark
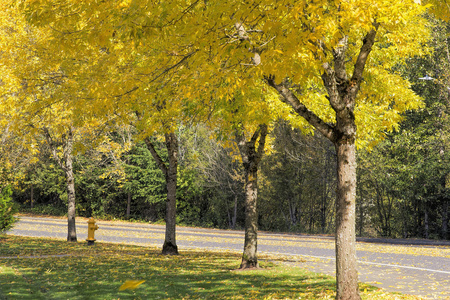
point(251, 156)
point(71, 234)
point(249, 257)
point(170, 245)
point(323, 208)
point(68, 159)
point(170, 173)
point(128, 205)
point(32, 195)
point(347, 275)
point(66, 163)
point(234, 212)
point(342, 92)
point(425, 222)
point(361, 217)
point(445, 219)
point(232, 219)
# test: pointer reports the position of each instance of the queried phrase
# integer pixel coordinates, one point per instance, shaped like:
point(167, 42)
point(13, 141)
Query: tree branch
point(339, 60)
point(166, 70)
point(289, 98)
point(330, 83)
point(242, 144)
point(262, 141)
point(156, 156)
point(366, 48)
point(255, 135)
point(127, 92)
point(53, 147)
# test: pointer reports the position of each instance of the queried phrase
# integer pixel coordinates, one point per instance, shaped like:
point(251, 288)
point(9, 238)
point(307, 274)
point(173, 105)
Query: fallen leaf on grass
point(131, 284)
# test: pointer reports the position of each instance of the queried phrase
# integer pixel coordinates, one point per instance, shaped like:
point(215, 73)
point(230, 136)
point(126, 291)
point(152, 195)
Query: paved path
point(411, 269)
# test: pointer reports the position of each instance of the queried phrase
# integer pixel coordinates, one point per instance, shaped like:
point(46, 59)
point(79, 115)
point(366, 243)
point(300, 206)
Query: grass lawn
point(32, 268)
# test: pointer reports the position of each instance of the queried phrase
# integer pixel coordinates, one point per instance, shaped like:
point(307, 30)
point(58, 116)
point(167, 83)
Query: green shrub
point(7, 209)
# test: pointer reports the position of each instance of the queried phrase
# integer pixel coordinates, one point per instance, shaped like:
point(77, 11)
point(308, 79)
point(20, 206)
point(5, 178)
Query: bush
point(7, 209)
point(49, 210)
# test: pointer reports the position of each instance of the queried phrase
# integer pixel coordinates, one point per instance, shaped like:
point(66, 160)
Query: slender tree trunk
point(170, 172)
point(70, 179)
point(232, 219)
point(323, 208)
point(389, 213)
point(445, 219)
point(170, 245)
point(251, 156)
point(128, 205)
point(361, 217)
point(249, 257)
point(32, 195)
point(405, 229)
point(418, 218)
point(425, 222)
point(292, 212)
point(311, 215)
point(229, 219)
point(380, 208)
point(66, 163)
point(347, 279)
point(235, 211)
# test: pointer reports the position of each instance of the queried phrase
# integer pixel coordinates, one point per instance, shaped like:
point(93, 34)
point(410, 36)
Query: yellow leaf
point(131, 284)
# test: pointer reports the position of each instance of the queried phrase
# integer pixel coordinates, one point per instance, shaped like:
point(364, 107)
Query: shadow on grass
point(97, 273)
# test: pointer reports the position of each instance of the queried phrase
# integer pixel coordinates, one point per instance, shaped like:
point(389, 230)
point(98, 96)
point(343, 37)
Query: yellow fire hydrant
point(91, 228)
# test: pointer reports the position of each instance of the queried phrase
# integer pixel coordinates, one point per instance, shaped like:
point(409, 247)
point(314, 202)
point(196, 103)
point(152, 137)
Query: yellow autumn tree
point(439, 8)
point(123, 72)
point(37, 90)
point(333, 62)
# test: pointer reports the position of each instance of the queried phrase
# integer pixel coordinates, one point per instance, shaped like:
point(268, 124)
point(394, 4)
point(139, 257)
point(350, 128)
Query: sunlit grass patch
point(97, 272)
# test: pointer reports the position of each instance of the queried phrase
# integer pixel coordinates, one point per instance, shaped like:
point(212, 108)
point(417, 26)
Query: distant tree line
point(403, 186)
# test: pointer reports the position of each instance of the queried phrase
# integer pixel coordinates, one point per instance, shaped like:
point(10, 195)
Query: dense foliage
point(7, 209)
point(404, 188)
point(78, 75)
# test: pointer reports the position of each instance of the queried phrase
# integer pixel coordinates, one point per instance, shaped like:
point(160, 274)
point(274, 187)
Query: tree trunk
point(347, 275)
point(232, 219)
point(342, 134)
point(170, 172)
point(128, 205)
point(251, 156)
point(361, 216)
point(66, 163)
point(170, 245)
point(445, 219)
point(32, 196)
point(292, 212)
point(235, 211)
point(323, 208)
point(311, 215)
point(425, 222)
point(249, 257)
point(417, 228)
point(71, 234)
point(342, 91)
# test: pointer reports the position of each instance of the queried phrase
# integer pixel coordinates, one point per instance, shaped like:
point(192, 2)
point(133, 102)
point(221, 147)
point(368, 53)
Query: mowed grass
point(34, 268)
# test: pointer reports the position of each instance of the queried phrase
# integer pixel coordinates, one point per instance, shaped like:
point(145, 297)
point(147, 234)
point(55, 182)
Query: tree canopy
point(331, 66)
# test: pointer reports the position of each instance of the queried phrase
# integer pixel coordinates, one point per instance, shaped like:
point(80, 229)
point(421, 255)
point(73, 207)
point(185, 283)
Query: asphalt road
point(407, 266)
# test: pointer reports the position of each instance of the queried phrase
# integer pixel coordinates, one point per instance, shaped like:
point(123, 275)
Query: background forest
point(403, 182)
